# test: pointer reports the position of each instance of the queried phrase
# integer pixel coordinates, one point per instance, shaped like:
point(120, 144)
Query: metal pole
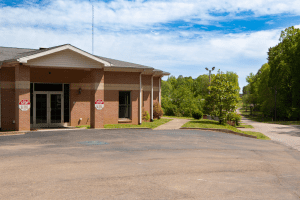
point(209, 80)
point(93, 30)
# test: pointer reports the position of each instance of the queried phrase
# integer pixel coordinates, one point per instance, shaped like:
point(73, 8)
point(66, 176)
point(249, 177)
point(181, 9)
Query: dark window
point(48, 87)
point(124, 105)
point(66, 103)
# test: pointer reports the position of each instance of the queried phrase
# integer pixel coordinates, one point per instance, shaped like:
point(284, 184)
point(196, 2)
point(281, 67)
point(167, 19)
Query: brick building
point(63, 83)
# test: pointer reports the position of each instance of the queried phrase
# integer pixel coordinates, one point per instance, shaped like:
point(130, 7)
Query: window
point(124, 105)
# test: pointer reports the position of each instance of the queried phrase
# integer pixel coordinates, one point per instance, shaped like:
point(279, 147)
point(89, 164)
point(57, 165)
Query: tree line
point(275, 88)
point(183, 95)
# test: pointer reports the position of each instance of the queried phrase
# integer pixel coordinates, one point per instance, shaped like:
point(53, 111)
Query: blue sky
point(180, 37)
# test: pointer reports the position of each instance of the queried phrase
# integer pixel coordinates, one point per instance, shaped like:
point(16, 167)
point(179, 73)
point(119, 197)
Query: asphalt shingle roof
point(118, 63)
point(11, 53)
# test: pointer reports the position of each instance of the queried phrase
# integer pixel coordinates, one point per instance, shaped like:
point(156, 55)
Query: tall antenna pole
point(92, 29)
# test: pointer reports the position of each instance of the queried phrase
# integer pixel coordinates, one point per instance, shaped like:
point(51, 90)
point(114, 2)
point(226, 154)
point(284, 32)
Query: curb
point(13, 133)
point(221, 130)
point(125, 128)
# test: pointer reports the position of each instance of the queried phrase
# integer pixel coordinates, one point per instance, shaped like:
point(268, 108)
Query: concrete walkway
point(288, 135)
point(171, 125)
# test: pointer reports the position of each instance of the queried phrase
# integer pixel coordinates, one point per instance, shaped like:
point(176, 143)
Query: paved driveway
point(286, 134)
point(146, 164)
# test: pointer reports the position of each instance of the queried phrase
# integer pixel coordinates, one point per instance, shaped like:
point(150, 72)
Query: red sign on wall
point(99, 104)
point(24, 105)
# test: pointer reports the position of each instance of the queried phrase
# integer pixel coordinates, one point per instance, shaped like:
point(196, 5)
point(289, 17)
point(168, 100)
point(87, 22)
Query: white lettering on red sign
point(99, 104)
point(24, 105)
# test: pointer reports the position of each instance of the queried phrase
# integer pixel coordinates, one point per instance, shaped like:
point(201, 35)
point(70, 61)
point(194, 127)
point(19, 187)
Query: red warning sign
point(99, 104)
point(24, 105)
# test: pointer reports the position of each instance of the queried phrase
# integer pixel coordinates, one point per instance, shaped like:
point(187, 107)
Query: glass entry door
point(48, 109)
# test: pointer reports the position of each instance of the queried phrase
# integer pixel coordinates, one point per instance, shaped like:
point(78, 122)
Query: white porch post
point(140, 106)
point(151, 104)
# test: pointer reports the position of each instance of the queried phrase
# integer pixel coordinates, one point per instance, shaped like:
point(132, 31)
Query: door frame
point(48, 124)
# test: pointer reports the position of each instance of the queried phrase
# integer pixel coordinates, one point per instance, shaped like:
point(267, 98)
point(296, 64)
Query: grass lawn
point(244, 126)
point(206, 123)
point(84, 126)
point(154, 124)
point(166, 116)
point(258, 116)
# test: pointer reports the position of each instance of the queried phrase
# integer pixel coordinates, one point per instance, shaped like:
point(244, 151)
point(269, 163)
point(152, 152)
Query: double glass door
point(48, 109)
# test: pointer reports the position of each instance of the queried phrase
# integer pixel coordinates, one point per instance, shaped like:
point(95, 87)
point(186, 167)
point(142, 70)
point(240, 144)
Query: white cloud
point(132, 14)
point(133, 31)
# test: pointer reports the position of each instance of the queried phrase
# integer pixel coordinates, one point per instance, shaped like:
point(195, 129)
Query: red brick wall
point(146, 81)
point(135, 94)
point(22, 73)
point(155, 81)
point(81, 108)
point(7, 98)
point(84, 102)
point(41, 75)
point(111, 97)
point(97, 116)
point(146, 101)
point(111, 106)
point(122, 77)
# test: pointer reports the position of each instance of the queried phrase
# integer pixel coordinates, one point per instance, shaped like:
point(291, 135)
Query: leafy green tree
point(223, 96)
point(279, 77)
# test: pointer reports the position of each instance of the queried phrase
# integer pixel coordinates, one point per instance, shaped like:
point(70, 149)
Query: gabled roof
point(9, 53)
point(22, 55)
point(118, 63)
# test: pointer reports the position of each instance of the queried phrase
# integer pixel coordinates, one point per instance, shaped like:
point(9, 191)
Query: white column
point(151, 104)
point(140, 111)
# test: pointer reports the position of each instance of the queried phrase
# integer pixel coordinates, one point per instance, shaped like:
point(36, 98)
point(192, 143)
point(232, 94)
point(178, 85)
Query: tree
point(280, 77)
point(223, 96)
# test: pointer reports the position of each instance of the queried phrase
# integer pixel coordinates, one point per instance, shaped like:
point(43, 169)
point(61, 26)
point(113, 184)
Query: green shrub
point(197, 114)
point(145, 115)
point(230, 117)
point(157, 110)
point(233, 116)
point(237, 118)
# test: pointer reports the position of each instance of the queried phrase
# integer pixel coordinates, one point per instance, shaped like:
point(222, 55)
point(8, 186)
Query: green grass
point(258, 116)
point(206, 123)
point(244, 126)
point(166, 116)
point(154, 124)
point(84, 126)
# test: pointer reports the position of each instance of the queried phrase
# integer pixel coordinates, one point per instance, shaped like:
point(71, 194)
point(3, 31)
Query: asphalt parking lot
point(146, 164)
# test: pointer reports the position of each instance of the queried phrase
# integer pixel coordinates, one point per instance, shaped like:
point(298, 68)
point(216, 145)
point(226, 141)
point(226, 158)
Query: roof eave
point(61, 48)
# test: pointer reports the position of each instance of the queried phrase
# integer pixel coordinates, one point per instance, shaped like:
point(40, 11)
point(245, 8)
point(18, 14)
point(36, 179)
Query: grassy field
point(206, 123)
point(258, 116)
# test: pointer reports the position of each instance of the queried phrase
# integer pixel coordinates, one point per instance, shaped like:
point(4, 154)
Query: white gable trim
point(70, 47)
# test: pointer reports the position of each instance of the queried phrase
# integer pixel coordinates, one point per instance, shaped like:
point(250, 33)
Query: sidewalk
point(289, 135)
point(174, 124)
